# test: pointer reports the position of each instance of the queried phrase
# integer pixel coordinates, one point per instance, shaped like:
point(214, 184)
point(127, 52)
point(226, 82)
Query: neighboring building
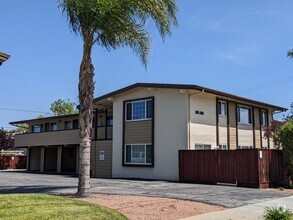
point(139, 129)
point(3, 57)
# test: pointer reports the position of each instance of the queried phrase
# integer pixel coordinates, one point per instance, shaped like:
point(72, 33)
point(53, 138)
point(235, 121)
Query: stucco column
point(42, 159)
point(77, 159)
point(59, 159)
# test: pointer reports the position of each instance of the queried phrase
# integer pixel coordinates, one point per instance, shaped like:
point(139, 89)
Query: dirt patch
point(284, 190)
point(151, 208)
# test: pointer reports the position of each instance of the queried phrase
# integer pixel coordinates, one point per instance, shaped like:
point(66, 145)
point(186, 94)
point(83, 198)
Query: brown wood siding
point(138, 132)
point(102, 168)
point(101, 133)
point(93, 158)
point(232, 126)
point(257, 128)
point(47, 138)
point(109, 132)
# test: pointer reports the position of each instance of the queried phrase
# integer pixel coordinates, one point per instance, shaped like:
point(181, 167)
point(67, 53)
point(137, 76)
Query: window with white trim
point(139, 110)
point(223, 147)
point(245, 147)
point(222, 108)
point(36, 128)
point(202, 147)
point(53, 126)
point(140, 154)
point(263, 117)
point(68, 125)
point(244, 115)
point(110, 120)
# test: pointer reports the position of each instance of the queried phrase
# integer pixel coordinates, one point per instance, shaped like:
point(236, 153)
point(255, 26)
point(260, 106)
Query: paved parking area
point(228, 196)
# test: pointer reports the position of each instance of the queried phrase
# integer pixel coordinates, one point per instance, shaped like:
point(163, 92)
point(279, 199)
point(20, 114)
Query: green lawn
point(41, 206)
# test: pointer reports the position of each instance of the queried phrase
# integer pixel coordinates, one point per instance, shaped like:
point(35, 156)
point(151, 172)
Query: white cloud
point(231, 58)
point(213, 25)
point(240, 55)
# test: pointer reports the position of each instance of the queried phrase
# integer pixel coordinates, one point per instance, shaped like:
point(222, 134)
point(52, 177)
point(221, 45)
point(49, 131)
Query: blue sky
point(234, 46)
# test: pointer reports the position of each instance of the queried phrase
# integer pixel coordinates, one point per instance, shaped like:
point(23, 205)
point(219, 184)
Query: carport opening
point(34, 158)
point(69, 159)
point(50, 159)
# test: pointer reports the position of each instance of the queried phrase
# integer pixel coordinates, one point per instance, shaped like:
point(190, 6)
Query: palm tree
point(290, 53)
point(110, 24)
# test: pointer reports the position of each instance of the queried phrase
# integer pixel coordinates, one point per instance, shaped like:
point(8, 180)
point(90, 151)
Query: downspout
point(188, 116)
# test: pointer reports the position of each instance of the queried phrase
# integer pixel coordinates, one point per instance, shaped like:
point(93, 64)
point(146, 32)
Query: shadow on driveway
point(35, 189)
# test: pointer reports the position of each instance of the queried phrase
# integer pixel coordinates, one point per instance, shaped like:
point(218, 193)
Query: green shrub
point(278, 213)
point(285, 137)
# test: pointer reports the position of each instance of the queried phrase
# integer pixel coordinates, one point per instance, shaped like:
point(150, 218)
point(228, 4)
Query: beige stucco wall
point(223, 135)
point(203, 127)
point(169, 134)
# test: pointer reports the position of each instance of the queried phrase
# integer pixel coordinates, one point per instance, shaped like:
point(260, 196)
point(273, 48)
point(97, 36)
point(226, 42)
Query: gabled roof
point(165, 86)
point(188, 87)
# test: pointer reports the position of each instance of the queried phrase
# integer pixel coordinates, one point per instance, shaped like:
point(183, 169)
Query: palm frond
point(290, 53)
point(120, 23)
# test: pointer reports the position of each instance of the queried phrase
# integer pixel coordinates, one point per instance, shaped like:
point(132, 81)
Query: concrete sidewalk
point(251, 212)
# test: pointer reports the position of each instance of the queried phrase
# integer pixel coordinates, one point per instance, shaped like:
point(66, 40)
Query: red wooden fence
point(259, 168)
point(12, 162)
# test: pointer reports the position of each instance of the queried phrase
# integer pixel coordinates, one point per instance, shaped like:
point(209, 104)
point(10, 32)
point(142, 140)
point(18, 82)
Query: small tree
point(270, 131)
point(6, 140)
point(285, 138)
point(290, 115)
point(63, 107)
point(21, 128)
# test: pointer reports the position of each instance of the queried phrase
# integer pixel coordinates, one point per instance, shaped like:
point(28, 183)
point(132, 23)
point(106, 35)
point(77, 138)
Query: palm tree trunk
point(86, 93)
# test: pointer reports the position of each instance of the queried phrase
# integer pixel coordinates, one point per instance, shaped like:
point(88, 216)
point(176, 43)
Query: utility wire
point(22, 110)
point(266, 85)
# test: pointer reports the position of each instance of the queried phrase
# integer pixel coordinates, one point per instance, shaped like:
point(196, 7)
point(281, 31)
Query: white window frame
point(69, 122)
point(264, 116)
point(132, 163)
point(202, 145)
point(223, 147)
point(145, 110)
point(36, 126)
point(244, 147)
point(53, 123)
point(239, 116)
point(225, 108)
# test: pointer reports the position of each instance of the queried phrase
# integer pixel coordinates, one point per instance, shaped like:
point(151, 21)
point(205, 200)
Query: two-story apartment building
point(138, 130)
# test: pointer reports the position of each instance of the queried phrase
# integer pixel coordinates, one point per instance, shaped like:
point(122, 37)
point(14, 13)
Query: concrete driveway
point(228, 196)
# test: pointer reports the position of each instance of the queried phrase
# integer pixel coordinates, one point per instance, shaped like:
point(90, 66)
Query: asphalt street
point(228, 196)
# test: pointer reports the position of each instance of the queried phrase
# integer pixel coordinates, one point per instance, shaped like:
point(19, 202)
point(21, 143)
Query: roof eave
point(36, 119)
point(184, 86)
